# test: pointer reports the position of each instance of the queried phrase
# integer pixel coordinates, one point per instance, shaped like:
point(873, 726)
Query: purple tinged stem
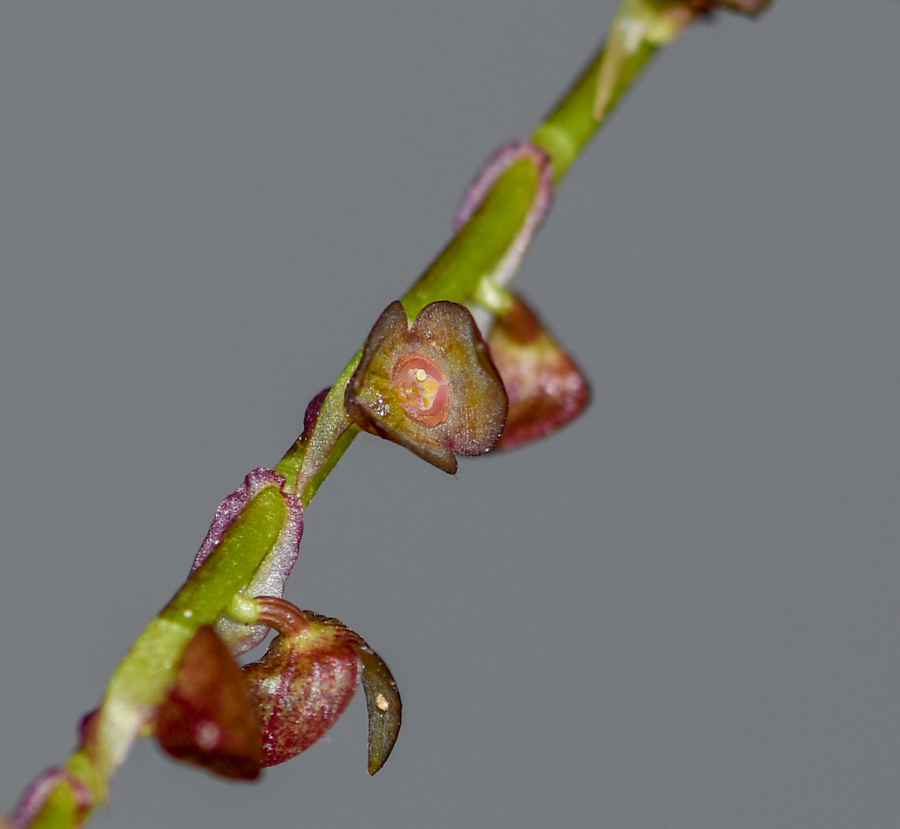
point(41, 790)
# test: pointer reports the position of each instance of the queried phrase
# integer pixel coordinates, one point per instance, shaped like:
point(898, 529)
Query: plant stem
point(640, 28)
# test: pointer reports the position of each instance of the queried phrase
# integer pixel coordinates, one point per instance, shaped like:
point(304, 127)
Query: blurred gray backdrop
point(680, 611)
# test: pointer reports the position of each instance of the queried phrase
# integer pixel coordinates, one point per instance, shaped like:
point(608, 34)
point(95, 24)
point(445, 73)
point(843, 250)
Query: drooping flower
point(308, 677)
point(545, 388)
point(209, 718)
point(431, 386)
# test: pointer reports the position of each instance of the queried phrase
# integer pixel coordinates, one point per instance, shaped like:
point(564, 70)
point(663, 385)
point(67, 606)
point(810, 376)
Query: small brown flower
point(430, 387)
point(301, 692)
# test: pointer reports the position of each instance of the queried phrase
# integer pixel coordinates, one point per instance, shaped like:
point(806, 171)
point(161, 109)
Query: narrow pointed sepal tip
point(431, 387)
point(383, 705)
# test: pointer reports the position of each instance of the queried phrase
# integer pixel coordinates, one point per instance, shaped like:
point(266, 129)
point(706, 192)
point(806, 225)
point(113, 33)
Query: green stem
point(231, 565)
point(143, 677)
point(568, 129)
point(480, 244)
point(640, 28)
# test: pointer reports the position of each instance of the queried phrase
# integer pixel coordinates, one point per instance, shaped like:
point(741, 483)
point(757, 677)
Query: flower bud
point(208, 717)
point(300, 688)
point(430, 387)
point(546, 389)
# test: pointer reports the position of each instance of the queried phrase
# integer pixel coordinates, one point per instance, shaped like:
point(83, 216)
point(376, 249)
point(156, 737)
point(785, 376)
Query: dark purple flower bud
point(209, 718)
point(430, 387)
point(308, 677)
point(546, 389)
point(276, 566)
point(751, 7)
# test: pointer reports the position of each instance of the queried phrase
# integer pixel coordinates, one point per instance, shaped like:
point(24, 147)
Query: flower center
point(422, 389)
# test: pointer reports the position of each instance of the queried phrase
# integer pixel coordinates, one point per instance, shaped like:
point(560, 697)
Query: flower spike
point(430, 387)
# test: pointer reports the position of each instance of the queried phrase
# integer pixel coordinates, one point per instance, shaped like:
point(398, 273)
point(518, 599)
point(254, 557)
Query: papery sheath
point(275, 568)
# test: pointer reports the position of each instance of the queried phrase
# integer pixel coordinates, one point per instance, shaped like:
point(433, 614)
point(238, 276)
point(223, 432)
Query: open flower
point(430, 387)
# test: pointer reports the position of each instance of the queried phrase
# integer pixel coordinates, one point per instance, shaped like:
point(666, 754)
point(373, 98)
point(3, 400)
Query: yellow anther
point(428, 391)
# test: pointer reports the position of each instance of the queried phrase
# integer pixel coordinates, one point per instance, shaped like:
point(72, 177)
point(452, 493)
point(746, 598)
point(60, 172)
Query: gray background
point(682, 611)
